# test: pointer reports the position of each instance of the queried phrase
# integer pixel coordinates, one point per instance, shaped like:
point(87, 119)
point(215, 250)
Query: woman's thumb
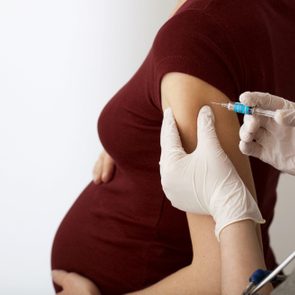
point(58, 276)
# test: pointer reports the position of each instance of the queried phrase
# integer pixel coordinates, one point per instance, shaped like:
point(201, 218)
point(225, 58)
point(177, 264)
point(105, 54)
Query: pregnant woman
point(124, 234)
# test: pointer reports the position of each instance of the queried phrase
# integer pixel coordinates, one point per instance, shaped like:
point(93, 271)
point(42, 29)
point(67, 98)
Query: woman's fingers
point(103, 168)
point(74, 284)
point(108, 168)
point(97, 170)
point(59, 276)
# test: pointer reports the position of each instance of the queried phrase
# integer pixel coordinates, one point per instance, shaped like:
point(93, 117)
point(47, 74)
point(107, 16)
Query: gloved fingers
point(252, 122)
point(261, 136)
point(206, 130)
point(170, 141)
point(245, 134)
point(262, 99)
point(249, 128)
point(252, 148)
point(285, 117)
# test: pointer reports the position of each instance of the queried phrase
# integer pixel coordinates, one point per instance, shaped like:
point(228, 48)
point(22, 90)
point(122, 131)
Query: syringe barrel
point(262, 112)
point(242, 109)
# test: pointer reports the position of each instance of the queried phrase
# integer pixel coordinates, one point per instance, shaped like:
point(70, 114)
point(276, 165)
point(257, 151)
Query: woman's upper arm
point(186, 94)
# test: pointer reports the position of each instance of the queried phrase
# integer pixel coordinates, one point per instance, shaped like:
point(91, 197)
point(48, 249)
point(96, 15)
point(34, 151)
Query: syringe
point(240, 108)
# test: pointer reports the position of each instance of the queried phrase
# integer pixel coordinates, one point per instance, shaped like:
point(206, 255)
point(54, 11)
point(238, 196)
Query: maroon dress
point(124, 235)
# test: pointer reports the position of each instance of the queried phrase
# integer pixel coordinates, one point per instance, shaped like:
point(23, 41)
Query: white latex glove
point(204, 181)
point(270, 140)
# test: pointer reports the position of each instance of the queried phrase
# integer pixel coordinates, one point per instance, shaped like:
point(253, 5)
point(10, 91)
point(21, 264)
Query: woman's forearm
point(186, 281)
point(241, 255)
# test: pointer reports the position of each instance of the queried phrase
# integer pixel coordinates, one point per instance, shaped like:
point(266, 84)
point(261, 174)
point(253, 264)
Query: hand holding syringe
point(240, 108)
point(272, 138)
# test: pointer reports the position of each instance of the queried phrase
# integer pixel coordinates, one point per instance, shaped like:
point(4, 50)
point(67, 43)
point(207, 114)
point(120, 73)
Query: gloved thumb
point(285, 117)
point(206, 130)
point(263, 100)
point(171, 145)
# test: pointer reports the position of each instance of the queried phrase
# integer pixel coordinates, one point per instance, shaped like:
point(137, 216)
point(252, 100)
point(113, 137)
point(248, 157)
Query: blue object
point(258, 276)
point(242, 109)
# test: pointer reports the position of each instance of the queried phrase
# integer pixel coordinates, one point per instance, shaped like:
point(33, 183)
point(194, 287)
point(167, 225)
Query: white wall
point(60, 62)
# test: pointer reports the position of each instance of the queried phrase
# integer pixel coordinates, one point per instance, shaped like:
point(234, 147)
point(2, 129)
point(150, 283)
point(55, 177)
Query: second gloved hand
point(204, 181)
point(270, 140)
point(284, 109)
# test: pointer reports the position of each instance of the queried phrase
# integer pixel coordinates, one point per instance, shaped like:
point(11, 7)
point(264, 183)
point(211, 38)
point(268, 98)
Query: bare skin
point(74, 284)
point(179, 4)
point(103, 168)
point(216, 268)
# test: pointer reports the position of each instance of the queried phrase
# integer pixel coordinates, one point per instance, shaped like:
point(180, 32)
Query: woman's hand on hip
point(74, 284)
point(103, 168)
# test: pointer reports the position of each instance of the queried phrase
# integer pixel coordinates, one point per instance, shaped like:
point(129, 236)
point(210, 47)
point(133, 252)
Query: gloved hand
point(270, 140)
point(204, 181)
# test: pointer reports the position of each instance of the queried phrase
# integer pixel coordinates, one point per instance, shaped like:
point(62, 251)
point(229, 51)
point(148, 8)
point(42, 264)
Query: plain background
point(60, 62)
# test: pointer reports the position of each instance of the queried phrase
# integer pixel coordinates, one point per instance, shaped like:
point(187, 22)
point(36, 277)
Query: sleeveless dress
point(124, 235)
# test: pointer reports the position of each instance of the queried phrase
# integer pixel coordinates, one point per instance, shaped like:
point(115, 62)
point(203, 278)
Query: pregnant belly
point(103, 239)
point(97, 246)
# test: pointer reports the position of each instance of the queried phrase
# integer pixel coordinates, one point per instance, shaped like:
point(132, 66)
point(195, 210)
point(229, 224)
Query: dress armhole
point(207, 69)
